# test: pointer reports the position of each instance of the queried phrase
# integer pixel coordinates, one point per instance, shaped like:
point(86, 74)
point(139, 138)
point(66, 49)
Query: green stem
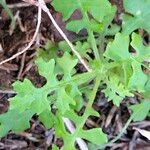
point(89, 105)
point(117, 137)
point(90, 32)
point(78, 79)
point(94, 45)
point(101, 44)
point(93, 95)
point(121, 133)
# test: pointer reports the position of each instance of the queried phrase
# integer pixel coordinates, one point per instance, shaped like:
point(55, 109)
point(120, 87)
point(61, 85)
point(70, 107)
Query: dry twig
point(23, 4)
point(22, 66)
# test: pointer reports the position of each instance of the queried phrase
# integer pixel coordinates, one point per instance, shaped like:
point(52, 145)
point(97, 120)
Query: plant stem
point(117, 137)
point(92, 38)
point(90, 32)
point(93, 94)
point(91, 100)
point(101, 44)
point(94, 45)
point(81, 143)
point(121, 133)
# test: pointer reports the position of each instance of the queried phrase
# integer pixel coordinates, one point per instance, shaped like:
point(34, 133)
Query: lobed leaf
point(138, 79)
point(115, 90)
point(34, 98)
point(140, 13)
point(95, 136)
point(14, 121)
point(118, 49)
point(140, 111)
point(142, 51)
point(99, 9)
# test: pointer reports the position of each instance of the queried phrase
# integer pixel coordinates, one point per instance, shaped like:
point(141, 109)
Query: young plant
point(114, 67)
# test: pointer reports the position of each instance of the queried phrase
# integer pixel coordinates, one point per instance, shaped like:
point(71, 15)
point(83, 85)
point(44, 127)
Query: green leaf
point(139, 9)
point(35, 98)
point(134, 78)
point(73, 117)
point(99, 9)
point(14, 121)
point(140, 111)
point(118, 49)
point(64, 101)
point(146, 94)
point(63, 46)
point(114, 29)
point(142, 51)
point(77, 25)
point(30, 97)
point(47, 118)
point(67, 63)
point(46, 69)
point(115, 90)
point(90, 135)
point(66, 7)
point(96, 136)
point(138, 78)
point(78, 121)
point(83, 48)
point(49, 51)
point(60, 127)
point(128, 71)
point(54, 147)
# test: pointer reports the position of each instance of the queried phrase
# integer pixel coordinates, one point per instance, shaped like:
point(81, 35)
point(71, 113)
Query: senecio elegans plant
point(115, 68)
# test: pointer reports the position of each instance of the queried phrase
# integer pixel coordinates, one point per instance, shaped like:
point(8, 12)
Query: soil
point(37, 137)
